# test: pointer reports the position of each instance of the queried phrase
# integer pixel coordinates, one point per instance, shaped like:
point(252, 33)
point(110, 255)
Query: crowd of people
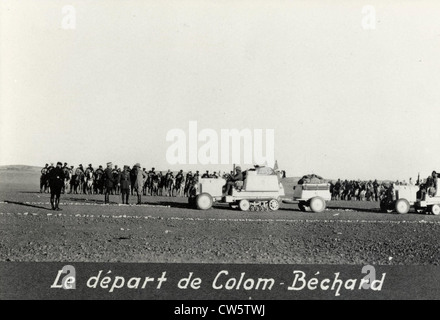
point(137, 181)
point(373, 190)
point(124, 181)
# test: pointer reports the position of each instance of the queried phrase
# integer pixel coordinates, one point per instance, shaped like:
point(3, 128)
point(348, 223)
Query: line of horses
point(92, 182)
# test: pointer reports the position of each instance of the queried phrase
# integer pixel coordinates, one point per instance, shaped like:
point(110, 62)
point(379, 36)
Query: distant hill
point(20, 167)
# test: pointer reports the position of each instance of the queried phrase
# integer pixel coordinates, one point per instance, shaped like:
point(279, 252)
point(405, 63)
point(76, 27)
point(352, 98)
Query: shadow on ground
point(27, 205)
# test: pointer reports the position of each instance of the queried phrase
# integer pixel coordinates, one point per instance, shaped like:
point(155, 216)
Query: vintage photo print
point(219, 149)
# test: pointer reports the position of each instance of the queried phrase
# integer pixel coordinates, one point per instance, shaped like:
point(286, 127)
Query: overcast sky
point(345, 101)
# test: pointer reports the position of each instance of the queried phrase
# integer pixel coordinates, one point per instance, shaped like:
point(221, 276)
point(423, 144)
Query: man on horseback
point(66, 173)
point(51, 167)
point(79, 179)
point(180, 179)
point(90, 168)
point(188, 182)
point(169, 183)
point(206, 175)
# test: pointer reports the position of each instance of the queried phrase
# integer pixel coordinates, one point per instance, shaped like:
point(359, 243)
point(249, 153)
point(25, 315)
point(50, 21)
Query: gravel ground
point(165, 230)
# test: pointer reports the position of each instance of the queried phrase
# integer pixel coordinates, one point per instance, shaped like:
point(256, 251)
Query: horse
point(99, 183)
point(363, 195)
point(179, 187)
point(89, 183)
point(79, 182)
point(161, 185)
point(44, 182)
point(348, 192)
point(146, 186)
point(116, 185)
point(155, 187)
point(67, 177)
point(188, 186)
point(169, 185)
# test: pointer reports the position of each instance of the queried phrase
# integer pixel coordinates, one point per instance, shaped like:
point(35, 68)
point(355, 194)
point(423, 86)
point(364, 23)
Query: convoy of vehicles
point(262, 190)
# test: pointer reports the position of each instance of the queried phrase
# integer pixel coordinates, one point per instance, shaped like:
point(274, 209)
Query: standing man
point(139, 181)
point(116, 171)
point(124, 181)
point(56, 182)
point(108, 182)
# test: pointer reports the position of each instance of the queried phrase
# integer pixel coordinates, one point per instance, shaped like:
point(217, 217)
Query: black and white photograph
point(236, 150)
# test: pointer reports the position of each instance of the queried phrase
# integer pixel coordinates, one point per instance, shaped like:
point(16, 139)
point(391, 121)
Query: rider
point(90, 168)
point(188, 182)
point(79, 169)
point(99, 170)
point(168, 175)
point(50, 167)
point(238, 176)
point(179, 176)
point(44, 170)
point(206, 175)
point(196, 177)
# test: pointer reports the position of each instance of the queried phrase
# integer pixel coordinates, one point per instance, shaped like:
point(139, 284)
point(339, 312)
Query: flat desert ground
point(164, 229)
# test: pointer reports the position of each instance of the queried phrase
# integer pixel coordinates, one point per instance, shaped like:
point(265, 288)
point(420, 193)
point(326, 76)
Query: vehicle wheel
point(435, 210)
point(402, 206)
point(317, 204)
point(204, 201)
point(274, 205)
point(244, 205)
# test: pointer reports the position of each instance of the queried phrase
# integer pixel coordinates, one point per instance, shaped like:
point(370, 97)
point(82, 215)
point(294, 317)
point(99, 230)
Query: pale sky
point(344, 101)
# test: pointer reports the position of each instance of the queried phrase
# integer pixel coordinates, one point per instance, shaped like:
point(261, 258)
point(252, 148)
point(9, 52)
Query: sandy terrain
point(164, 229)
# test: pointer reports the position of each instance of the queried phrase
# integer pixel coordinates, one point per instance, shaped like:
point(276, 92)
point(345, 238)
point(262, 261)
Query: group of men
point(113, 180)
point(374, 190)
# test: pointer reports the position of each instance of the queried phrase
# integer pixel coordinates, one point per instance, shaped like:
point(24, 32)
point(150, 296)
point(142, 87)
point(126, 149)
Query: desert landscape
point(165, 229)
